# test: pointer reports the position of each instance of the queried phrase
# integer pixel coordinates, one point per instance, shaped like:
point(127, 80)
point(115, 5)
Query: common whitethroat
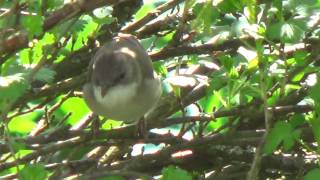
point(121, 83)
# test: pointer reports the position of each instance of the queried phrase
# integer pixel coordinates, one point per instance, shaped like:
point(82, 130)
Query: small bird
point(121, 83)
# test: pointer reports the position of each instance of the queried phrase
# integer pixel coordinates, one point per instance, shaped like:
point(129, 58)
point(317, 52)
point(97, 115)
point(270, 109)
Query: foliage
point(240, 90)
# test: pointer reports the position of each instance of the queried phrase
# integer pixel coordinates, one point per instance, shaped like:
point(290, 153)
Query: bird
point(122, 84)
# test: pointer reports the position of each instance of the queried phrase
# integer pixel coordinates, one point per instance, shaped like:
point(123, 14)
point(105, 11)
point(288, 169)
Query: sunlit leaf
point(23, 124)
point(11, 88)
point(82, 37)
point(145, 9)
point(77, 107)
point(34, 172)
point(174, 173)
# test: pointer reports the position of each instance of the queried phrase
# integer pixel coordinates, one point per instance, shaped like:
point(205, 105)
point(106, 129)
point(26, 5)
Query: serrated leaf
point(34, 172)
point(48, 38)
point(174, 173)
point(287, 31)
point(291, 31)
point(280, 132)
point(25, 56)
point(37, 52)
point(82, 37)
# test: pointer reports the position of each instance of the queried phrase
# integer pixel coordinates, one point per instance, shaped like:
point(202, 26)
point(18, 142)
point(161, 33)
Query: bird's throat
point(115, 96)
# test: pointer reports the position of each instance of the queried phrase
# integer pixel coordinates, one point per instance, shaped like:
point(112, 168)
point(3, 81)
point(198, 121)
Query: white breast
point(129, 102)
point(116, 96)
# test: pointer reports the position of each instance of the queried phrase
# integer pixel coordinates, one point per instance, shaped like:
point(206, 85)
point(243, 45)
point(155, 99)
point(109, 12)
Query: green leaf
point(33, 172)
point(209, 103)
point(278, 5)
point(273, 31)
point(82, 37)
point(17, 145)
point(144, 10)
point(11, 88)
point(33, 24)
point(112, 178)
point(25, 56)
point(290, 31)
point(251, 10)
point(300, 56)
point(45, 74)
point(78, 108)
point(289, 141)
point(110, 124)
point(220, 96)
point(48, 38)
point(104, 20)
point(281, 132)
point(315, 125)
point(160, 68)
point(33, 5)
point(274, 98)
point(298, 77)
point(231, 6)
point(175, 173)
point(297, 120)
point(314, 92)
point(227, 62)
point(206, 16)
point(23, 124)
point(37, 52)
point(314, 174)
point(217, 123)
point(54, 4)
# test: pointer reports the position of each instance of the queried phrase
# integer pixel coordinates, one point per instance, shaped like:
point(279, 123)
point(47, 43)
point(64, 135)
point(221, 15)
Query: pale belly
point(127, 103)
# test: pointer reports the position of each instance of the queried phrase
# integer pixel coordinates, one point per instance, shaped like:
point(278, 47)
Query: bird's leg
point(142, 128)
point(95, 125)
